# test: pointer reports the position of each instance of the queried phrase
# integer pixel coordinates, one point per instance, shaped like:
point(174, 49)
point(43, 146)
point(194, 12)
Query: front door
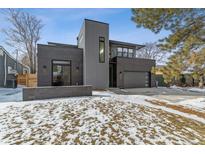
point(61, 73)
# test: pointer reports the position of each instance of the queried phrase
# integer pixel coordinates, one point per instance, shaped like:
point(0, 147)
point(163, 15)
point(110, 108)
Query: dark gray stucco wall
point(95, 73)
point(47, 53)
point(133, 64)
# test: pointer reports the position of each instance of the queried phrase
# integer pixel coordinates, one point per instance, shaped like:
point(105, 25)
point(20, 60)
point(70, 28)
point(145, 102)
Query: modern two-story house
point(95, 60)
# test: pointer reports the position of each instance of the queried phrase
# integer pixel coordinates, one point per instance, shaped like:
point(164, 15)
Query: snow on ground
point(104, 118)
point(193, 89)
point(197, 89)
point(103, 93)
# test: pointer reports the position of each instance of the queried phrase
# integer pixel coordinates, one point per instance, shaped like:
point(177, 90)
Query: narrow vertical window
point(101, 49)
point(130, 53)
point(119, 52)
point(124, 52)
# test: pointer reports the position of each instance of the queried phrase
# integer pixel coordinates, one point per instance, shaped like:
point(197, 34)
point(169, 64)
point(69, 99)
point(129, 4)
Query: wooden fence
point(29, 80)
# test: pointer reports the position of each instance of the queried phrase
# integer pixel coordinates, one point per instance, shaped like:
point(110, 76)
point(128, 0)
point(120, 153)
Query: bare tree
point(23, 34)
point(152, 51)
point(25, 59)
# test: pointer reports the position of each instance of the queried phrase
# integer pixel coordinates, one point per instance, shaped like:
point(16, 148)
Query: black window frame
point(130, 54)
point(119, 53)
point(102, 40)
point(124, 52)
point(70, 64)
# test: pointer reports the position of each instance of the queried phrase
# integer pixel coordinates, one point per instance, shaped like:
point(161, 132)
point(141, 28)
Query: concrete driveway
point(156, 91)
point(164, 93)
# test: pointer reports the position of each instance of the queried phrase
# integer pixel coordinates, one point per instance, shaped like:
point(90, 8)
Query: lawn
point(100, 119)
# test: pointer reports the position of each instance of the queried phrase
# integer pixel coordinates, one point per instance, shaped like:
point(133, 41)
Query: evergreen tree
point(186, 41)
point(197, 63)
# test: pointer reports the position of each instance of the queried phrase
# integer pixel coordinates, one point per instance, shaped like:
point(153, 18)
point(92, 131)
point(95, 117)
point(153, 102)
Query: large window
point(61, 73)
point(101, 49)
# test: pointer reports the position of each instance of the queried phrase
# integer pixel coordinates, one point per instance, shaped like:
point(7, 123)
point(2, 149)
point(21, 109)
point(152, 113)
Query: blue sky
point(63, 25)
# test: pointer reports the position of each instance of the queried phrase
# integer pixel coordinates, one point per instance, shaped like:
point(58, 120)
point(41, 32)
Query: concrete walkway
point(10, 94)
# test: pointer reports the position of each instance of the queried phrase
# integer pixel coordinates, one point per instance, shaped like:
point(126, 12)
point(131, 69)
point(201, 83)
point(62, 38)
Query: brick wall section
point(55, 92)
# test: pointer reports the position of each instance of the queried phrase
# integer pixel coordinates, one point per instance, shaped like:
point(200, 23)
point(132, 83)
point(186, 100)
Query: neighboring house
point(9, 68)
point(95, 60)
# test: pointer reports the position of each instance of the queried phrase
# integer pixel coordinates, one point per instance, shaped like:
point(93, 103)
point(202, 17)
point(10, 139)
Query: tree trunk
point(35, 60)
point(31, 64)
point(201, 82)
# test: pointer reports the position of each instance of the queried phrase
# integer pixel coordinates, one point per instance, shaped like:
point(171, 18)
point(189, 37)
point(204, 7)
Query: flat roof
point(126, 43)
point(96, 21)
point(62, 44)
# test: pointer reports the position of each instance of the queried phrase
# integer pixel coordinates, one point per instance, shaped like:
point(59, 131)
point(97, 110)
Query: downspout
point(5, 72)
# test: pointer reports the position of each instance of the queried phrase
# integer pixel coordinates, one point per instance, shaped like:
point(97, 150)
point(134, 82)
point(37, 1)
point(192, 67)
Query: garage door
point(136, 79)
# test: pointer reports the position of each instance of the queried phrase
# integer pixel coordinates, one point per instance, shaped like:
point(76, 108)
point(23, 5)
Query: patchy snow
point(103, 93)
point(193, 89)
point(104, 118)
point(140, 99)
point(197, 89)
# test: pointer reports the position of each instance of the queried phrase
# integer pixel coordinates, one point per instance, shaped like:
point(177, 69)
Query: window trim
point(102, 39)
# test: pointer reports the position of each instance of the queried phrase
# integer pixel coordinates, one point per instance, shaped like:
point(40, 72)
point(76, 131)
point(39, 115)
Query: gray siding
point(1, 68)
point(9, 62)
point(133, 65)
point(47, 53)
point(95, 73)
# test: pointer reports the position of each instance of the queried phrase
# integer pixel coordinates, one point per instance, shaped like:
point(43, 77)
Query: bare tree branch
point(152, 51)
point(23, 34)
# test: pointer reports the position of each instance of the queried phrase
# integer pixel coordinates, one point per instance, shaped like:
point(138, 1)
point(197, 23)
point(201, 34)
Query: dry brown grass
point(178, 108)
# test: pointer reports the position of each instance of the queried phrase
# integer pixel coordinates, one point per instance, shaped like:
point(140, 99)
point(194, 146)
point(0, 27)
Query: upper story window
point(119, 51)
point(130, 53)
point(124, 52)
point(101, 49)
